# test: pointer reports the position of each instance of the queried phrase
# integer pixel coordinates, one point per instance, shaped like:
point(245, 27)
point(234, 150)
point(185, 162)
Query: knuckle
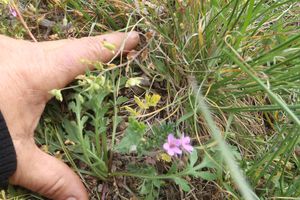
point(54, 189)
point(94, 47)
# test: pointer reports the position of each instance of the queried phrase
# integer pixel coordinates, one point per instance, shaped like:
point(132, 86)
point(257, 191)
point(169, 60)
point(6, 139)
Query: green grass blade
point(237, 175)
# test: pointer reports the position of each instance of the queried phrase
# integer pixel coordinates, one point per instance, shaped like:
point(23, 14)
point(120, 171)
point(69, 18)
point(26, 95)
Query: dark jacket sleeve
point(8, 160)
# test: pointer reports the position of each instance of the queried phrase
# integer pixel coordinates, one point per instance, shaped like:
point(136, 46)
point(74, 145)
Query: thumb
point(65, 56)
point(48, 176)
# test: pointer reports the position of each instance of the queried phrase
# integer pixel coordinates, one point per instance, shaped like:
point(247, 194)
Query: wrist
point(8, 162)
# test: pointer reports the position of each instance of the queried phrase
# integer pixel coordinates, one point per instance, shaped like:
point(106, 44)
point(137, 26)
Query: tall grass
point(243, 55)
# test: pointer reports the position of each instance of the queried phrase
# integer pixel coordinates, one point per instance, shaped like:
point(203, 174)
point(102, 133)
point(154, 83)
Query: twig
point(15, 7)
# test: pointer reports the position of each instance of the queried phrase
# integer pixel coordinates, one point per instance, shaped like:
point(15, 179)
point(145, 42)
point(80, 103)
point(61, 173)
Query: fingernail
point(133, 35)
point(71, 198)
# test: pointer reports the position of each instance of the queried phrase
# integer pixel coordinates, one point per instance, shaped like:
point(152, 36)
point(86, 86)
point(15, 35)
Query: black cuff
point(8, 158)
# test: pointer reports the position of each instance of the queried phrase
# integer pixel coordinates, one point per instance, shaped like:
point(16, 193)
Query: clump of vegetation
point(111, 124)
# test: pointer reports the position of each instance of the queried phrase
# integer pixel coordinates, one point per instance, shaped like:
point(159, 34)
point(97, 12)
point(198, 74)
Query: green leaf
point(150, 188)
point(235, 152)
point(206, 176)
point(145, 188)
point(183, 184)
point(206, 162)
point(173, 168)
point(98, 163)
point(185, 117)
point(157, 183)
point(132, 137)
point(121, 100)
point(71, 130)
point(150, 197)
point(161, 67)
point(193, 158)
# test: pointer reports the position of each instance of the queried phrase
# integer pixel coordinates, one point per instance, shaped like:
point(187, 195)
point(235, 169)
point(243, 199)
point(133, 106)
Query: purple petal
point(166, 146)
point(176, 150)
point(171, 152)
point(185, 140)
point(177, 142)
point(12, 11)
point(188, 147)
point(171, 138)
point(173, 141)
point(168, 149)
point(185, 143)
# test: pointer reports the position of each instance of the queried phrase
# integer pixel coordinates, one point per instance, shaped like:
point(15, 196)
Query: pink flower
point(185, 143)
point(12, 11)
point(172, 145)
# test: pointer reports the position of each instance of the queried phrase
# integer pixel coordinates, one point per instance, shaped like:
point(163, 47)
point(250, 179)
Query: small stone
point(100, 188)
point(297, 151)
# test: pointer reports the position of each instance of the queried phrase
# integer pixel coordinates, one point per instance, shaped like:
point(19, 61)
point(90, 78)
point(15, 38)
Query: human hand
point(28, 71)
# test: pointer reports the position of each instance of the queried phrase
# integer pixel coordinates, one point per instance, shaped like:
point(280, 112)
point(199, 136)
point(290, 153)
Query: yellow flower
point(165, 157)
